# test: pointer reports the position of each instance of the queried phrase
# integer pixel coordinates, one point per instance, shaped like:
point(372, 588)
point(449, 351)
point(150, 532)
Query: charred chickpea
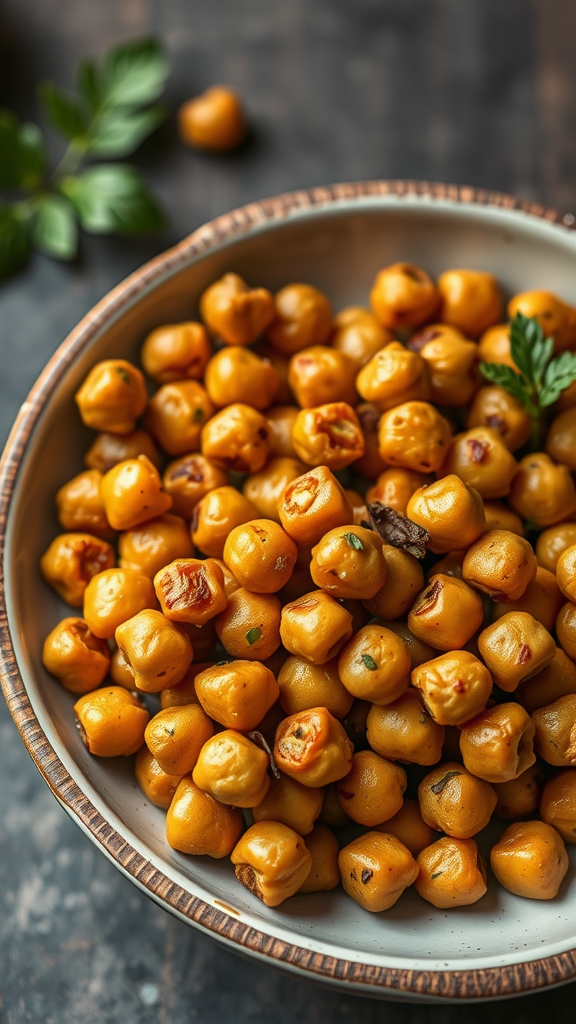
point(80, 505)
point(515, 647)
point(132, 492)
point(357, 333)
point(375, 665)
point(232, 769)
point(446, 614)
point(500, 563)
point(153, 544)
point(542, 491)
point(112, 396)
point(280, 420)
point(214, 120)
point(234, 312)
point(261, 555)
point(320, 374)
point(403, 296)
point(324, 848)
point(188, 479)
point(190, 590)
point(497, 745)
point(237, 374)
point(313, 748)
point(112, 721)
point(373, 789)
point(120, 672)
point(454, 687)
point(393, 375)
point(530, 860)
point(176, 415)
point(520, 796)
point(271, 861)
point(70, 562)
point(215, 515)
point(328, 435)
point(304, 685)
point(249, 626)
point(114, 595)
point(291, 803)
point(303, 317)
point(542, 599)
point(408, 826)
point(395, 487)
point(264, 489)
point(348, 563)
point(157, 785)
point(552, 542)
point(454, 801)
point(176, 735)
point(78, 659)
point(238, 694)
point(237, 438)
point(451, 873)
point(370, 464)
point(566, 628)
point(494, 346)
point(315, 627)
point(176, 352)
point(199, 825)
point(470, 300)
point(419, 652)
point(481, 459)
point(555, 725)
point(497, 409)
point(157, 651)
point(375, 869)
point(108, 449)
point(451, 360)
point(414, 436)
point(500, 517)
point(451, 512)
point(313, 504)
point(556, 680)
point(404, 731)
point(556, 318)
point(558, 804)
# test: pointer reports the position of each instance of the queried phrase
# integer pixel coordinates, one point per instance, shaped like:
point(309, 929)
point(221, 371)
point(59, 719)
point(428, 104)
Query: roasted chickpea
point(556, 680)
point(249, 627)
point(373, 789)
point(404, 580)
point(199, 825)
point(542, 599)
point(107, 450)
point(348, 563)
point(303, 317)
point(315, 627)
point(234, 312)
point(470, 300)
point(156, 784)
point(151, 545)
point(80, 505)
point(324, 848)
point(555, 726)
point(280, 421)
point(188, 479)
point(515, 647)
point(190, 590)
point(132, 492)
point(370, 464)
point(451, 873)
point(271, 861)
point(264, 489)
point(232, 769)
point(566, 628)
point(404, 731)
point(176, 415)
point(281, 365)
point(328, 435)
point(451, 512)
point(313, 504)
point(75, 656)
point(558, 804)
point(566, 572)
point(291, 803)
point(319, 375)
point(112, 396)
point(111, 721)
point(261, 555)
point(114, 595)
point(214, 120)
point(120, 672)
point(408, 826)
point(519, 796)
point(500, 517)
point(450, 565)
point(238, 694)
point(70, 562)
point(567, 398)
point(313, 748)
point(552, 542)
point(157, 651)
point(419, 652)
point(393, 375)
point(451, 362)
point(403, 296)
point(375, 665)
point(494, 346)
point(501, 564)
point(304, 685)
point(556, 318)
point(375, 870)
point(237, 374)
point(176, 735)
point(497, 409)
point(332, 814)
point(542, 491)
point(176, 352)
point(530, 860)
point(357, 333)
point(446, 614)
point(454, 687)
point(414, 436)
point(215, 515)
point(481, 459)
point(237, 438)
point(454, 801)
point(184, 692)
point(358, 506)
point(497, 744)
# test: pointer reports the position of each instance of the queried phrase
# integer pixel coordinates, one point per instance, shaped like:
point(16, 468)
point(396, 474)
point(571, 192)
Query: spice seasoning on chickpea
point(348, 563)
point(315, 627)
point(542, 491)
point(497, 744)
point(114, 595)
point(238, 694)
point(237, 438)
point(321, 374)
point(176, 352)
point(451, 361)
point(454, 801)
point(271, 861)
point(501, 564)
point(451, 873)
point(446, 614)
point(70, 562)
point(375, 665)
point(404, 731)
point(454, 687)
point(261, 555)
point(312, 505)
point(265, 488)
point(112, 396)
point(497, 409)
point(515, 647)
point(176, 415)
point(157, 785)
point(555, 725)
point(481, 459)
point(328, 435)
point(232, 769)
point(313, 748)
point(358, 335)
point(375, 870)
point(176, 735)
point(394, 375)
point(249, 626)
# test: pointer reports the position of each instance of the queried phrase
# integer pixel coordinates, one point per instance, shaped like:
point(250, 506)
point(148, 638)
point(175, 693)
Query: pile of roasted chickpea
point(244, 545)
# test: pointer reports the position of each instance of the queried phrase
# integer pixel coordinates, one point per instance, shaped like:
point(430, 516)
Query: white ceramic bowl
point(336, 238)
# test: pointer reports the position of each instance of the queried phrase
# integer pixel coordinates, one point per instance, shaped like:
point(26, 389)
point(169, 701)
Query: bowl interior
point(339, 248)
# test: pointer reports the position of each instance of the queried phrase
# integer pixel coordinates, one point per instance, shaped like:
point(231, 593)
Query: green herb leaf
point(507, 378)
point(113, 197)
point(436, 875)
point(354, 541)
point(89, 84)
point(54, 229)
point(22, 156)
point(62, 111)
point(134, 73)
point(253, 635)
point(14, 242)
point(119, 132)
point(439, 786)
point(559, 375)
point(369, 662)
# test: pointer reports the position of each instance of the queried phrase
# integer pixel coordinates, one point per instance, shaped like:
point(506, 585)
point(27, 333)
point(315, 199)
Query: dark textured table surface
point(474, 91)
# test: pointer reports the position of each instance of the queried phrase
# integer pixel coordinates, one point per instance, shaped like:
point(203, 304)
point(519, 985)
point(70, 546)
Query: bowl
point(336, 238)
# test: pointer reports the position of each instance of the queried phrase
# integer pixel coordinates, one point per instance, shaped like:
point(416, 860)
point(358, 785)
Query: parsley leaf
point(253, 635)
point(369, 662)
point(354, 541)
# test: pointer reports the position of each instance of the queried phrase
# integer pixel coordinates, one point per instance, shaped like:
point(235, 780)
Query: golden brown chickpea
point(70, 562)
point(515, 647)
point(111, 721)
point(357, 333)
point(520, 796)
point(291, 803)
point(237, 374)
point(419, 652)
point(446, 613)
point(199, 825)
point(470, 300)
point(481, 459)
point(497, 745)
point(249, 626)
point(324, 848)
point(176, 352)
point(190, 590)
point(530, 860)
point(280, 420)
point(232, 769)
point(176, 415)
point(566, 628)
point(214, 120)
point(542, 491)
point(315, 627)
point(414, 436)
point(451, 873)
point(271, 861)
point(500, 517)
point(281, 365)
point(112, 396)
point(451, 360)
point(501, 564)
point(558, 804)
point(370, 464)
point(375, 870)
point(303, 317)
point(552, 542)
point(451, 512)
point(495, 408)
point(157, 651)
point(80, 505)
point(555, 726)
point(261, 555)
point(155, 543)
point(454, 801)
point(188, 479)
point(328, 435)
point(408, 826)
point(237, 438)
point(358, 506)
point(393, 375)
point(450, 565)
point(313, 748)
point(542, 599)
point(107, 450)
point(304, 685)
point(313, 504)
point(395, 487)
point(215, 515)
point(120, 672)
point(319, 375)
point(114, 595)
point(566, 572)
point(184, 692)
point(556, 318)
point(454, 687)
point(348, 563)
point(132, 492)
point(176, 735)
point(265, 488)
point(78, 659)
point(404, 731)
point(375, 665)
point(157, 785)
point(403, 296)
point(404, 580)
point(557, 680)
point(373, 789)
point(494, 346)
point(234, 312)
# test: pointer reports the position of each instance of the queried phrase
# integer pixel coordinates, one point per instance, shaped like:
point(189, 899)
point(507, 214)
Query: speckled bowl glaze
point(336, 238)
